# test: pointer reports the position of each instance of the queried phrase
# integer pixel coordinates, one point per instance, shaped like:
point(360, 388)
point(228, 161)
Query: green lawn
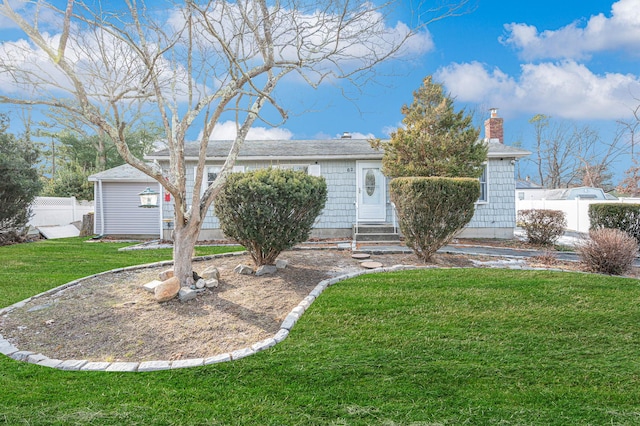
point(462, 346)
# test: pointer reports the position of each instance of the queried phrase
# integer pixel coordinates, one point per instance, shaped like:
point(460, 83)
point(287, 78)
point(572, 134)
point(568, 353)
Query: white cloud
point(565, 89)
point(472, 82)
point(227, 131)
point(580, 39)
point(329, 41)
point(387, 130)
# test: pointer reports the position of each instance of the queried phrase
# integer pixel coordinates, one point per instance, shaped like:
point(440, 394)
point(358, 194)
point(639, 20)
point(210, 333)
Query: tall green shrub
point(432, 210)
point(434, 140)
point(625, 217)
point(270, 210)
point(19, 184)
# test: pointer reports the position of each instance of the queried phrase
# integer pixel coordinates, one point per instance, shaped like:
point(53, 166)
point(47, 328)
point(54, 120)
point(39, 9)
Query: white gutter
point(161, 206)
point(281, 158)
point(101, 207)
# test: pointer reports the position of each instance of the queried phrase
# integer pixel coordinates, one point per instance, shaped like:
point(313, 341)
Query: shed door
point(372, 192)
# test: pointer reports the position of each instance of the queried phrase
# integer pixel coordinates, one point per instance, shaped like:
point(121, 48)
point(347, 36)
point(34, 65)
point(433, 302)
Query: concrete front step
point(384, 228)
point(383, 232)
point(376, 237)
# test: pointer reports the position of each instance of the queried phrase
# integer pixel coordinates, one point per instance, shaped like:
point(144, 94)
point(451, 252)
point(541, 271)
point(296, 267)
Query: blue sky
point(572, 60)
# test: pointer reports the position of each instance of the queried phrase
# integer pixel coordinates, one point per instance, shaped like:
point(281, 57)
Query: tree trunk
point(184, 242)
point(87, 225)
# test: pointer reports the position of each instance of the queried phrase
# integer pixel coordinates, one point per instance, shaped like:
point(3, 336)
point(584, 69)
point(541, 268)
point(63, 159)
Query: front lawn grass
point(448, 346)
point(29, 269)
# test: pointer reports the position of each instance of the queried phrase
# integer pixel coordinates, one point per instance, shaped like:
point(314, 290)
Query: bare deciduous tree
point(568, 155)
point(190, 64)
point(555, 150)
point(597, 156)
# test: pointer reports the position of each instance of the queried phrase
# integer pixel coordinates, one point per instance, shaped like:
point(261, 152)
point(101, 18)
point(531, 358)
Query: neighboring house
point(116, 203)
point(579, 193)
point(357, 190)
point(527, 190)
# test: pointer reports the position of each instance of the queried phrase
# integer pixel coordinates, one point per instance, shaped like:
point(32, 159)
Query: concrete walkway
point(472, 250)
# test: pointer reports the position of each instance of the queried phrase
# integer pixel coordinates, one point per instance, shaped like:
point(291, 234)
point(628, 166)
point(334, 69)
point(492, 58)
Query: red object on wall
point(167, 196)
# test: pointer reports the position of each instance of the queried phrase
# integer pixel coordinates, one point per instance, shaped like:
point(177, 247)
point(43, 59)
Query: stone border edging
point(290, 320)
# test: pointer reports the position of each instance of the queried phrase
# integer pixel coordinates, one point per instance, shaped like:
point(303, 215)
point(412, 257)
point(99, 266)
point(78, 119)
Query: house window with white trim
point(294, 167)
point(310, 169)
point(211, 173)
point(484, 188)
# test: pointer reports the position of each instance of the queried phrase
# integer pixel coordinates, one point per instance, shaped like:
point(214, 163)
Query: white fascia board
point(508, 154)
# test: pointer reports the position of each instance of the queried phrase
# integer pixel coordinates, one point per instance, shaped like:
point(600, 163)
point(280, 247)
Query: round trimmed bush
point(270, 210)
point(432, 210)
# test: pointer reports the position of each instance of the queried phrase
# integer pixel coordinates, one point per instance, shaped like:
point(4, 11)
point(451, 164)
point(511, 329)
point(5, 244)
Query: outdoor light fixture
point(148, 198)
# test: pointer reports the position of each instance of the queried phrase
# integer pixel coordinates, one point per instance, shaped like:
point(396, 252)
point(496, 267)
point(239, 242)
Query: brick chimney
point(493, 127)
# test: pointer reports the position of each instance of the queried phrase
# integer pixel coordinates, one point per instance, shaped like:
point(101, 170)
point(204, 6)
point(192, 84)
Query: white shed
point(117, 211)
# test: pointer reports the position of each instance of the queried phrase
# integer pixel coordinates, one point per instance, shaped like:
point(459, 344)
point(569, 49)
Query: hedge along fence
point(625, 217)
point(270, 210)
point(432, 210)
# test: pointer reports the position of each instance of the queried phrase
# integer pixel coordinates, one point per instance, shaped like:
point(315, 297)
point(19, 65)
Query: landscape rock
point(281, 264)
point(266, 269)
point(211, 283)
point(186, 294)
point(166, 274)
point(151, 286)
point(243, 270)
point(167, 289)
point(211, 272)
point(200, 283)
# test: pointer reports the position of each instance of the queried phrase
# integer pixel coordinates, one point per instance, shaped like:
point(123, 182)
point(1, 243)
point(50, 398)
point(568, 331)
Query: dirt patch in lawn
point(112, 318)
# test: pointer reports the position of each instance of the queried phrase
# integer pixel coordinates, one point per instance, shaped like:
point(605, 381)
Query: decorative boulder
point(211, 283)
point(186, 294)
point(166, 274)
point(281, 263)
point(266, 269)
point(200, 283)
point(211, 272)
point(243, 270)
point(167, 289)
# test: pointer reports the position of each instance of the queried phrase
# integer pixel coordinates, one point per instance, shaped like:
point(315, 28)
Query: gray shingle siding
point(338, 163)
point(339, 211)
point(499, 210)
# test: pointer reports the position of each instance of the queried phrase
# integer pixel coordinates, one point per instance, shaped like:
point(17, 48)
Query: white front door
point(372, 192)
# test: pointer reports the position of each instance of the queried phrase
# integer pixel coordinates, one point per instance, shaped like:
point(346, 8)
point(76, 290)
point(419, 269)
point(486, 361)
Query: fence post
point(73, 208)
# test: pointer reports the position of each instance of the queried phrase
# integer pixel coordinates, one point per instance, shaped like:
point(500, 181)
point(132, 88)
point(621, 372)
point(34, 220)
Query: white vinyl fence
point(576, 211)
point(52, 211)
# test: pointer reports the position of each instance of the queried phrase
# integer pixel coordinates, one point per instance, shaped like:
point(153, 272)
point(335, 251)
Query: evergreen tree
point(435, 140)
point(19, 183)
